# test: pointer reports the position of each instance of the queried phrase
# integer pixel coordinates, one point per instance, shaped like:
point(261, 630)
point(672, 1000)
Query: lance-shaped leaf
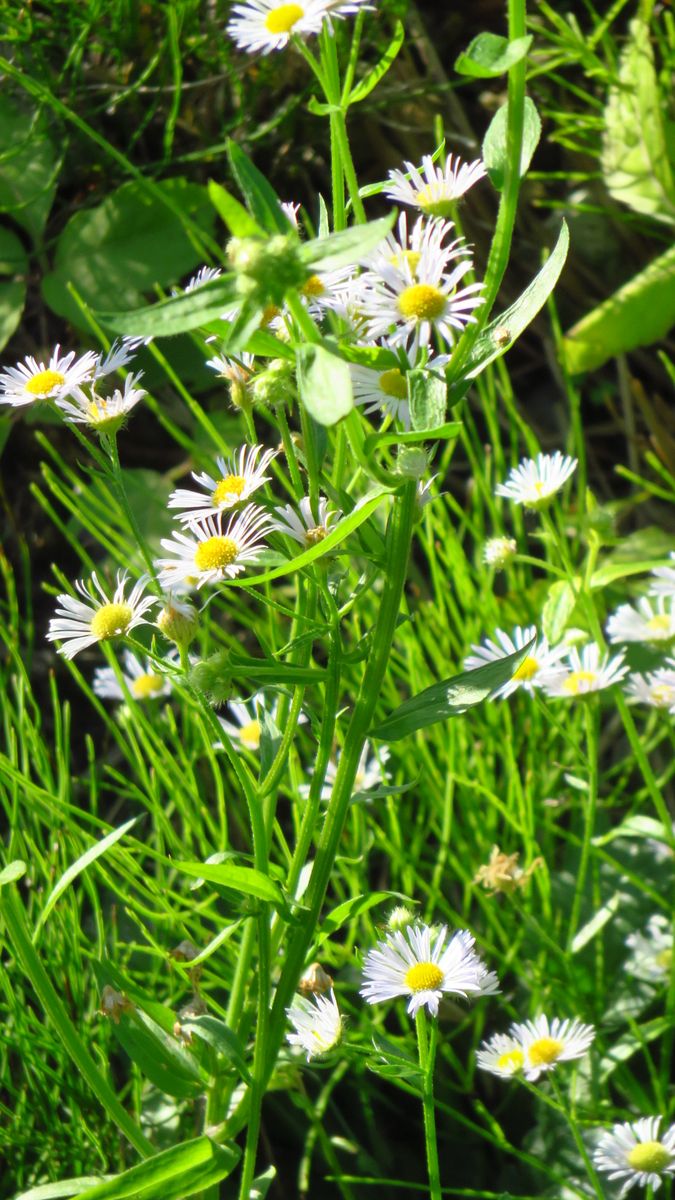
point(176, 314)
point(376, 73)
point(347, 247)
point(449, 698)
point(261, 199)
point(245, 880)
point(324, 384)
point(220, 1036)
point(428, 399)
point(172, 1174)
point(233, 214)
point(495, 154)
point(490, 55)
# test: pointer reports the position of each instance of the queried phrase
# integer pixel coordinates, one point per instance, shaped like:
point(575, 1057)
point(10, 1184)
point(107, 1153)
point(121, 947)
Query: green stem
point(563, 1108)
point(426, 1046)
point(118, 480)
point(259, 1058)
point(591, 717)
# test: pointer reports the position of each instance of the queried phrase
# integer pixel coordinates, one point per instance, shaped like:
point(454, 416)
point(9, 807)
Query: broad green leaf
point(635, 152)
point(324, 384)
point(13, 262)
point(349, 910)
point(245, 880)
point(85, 860)
point(449, 698)
point(125, 247)
point(557, 610)
point(641, 312)
point(220, 1036)
point(490, 55)
point(611, 571)
point(428, 399)
point(597, 922)
point(365, 86)
point(63, 1187)
point(177, 314)
point(172, 1174)
point(494, 144)
point(233, 214)
point(159, 1056)
point(347, 247)
point(13, 871)
point(634, 827)
point(261, 199)
point(498, 337)
point(28, 167)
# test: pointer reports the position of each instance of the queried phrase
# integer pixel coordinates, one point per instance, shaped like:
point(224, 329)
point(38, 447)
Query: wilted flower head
point(502, 873)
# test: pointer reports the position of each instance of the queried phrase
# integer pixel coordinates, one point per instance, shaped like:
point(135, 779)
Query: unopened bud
point(267, 266)
point(399, 918)
point(178, 621)
point(412, 462)
point(275, 386)
point(498, 551)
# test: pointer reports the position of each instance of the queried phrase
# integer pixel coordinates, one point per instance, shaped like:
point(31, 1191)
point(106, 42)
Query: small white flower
point(78, 624)
point(423, 964)
point(103, 414)
point(647, 621)
point(634, 1153)
point(656, 688)
point(120, 354)
point(305, 527)
point(502, 1055)
point(211, 555)
point(546, 1043)
point(530, 674)
point(536, 480)
point(248, 728)
point(580, 673)
point(239, 476)
point(387, 391)
point(317, 1023)
point(434, 189)
point(652, 951)
point(497, 551)
point(268, 25)
point(665, 579)
point(143, 680)
point(204, 275)
point(30, 380)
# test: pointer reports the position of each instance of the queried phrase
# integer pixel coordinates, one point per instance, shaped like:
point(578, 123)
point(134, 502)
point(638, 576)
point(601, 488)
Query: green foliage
point(495, 151)
point(490, 55)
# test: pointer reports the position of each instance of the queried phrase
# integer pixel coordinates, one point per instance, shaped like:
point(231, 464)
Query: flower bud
point(178, 621)
point(498, 551)
point(275, 386)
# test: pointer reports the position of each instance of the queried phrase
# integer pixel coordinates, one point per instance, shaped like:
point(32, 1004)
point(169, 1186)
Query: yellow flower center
point(663, 695)
point(664, 959)
point(45, 382)
point(648, 1156)
point(312, 536)
point(423, 977)
point(421, 302)
point(112, 620)
point(249, 735)
point(215, 553)
point(411, 257)
point(433, 205)
point(283, 18)
point(313, 287)
point(527, 669)
point(659, 625)
point(578, 680)
point(393, 383)
point(511, 1060)
point(545, 1050)
point(146, 686)
point(227, 489)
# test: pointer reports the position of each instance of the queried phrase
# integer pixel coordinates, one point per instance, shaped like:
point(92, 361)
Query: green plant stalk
point(591, 715)
point(564, 1109)
point(110, 442)
point(259, 1056)
point(426, 1047)
point(15, 922)
point(341, 155)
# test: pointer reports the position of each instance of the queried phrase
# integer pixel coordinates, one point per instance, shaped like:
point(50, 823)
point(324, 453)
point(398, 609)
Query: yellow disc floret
point(45, 383)
point(544, 1051)
point(249, 735)
point(578, 680)
point(527, 669)
point(112, 620)
point(283, 18)
point(423, 977)
point(649, 1156)
point(411, 257)
point(431, 203)
point(215, 554)
point(421, 302)
point(393, 383)
point(146, 685)
point(511, 1061)
point(312, 536)
point(313, 287)
point(659, 625)
point(227, 489)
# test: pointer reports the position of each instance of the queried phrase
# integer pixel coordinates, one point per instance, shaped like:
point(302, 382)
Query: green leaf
point(159, 1056)
point(28, 167)
point(126, 246)
point(365, 86)
point(498, 337)
point(245, 880)
point(172, 1174)
point(640, 313)
point(392, 1062)
point(347, 247)
point(494, 145)
point(221, 1038)
point(490, 55)
point(635, 159)
point(449, 698)
point(349, 910)
point(557, 610)
point(13, 871)
point(233, 214)
point(597, 922)
point(261, 199)
point(610, 571)
point(324, 384)
point(442, 432)
point(85, 860)
point(428, 399)
point(634, 827)
point(63, 1187)
point(177, 314)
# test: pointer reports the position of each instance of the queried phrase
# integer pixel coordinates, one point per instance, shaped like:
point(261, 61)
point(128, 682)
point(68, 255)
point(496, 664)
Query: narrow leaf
point(347, 247)
point(261, 199)
point(245, 880)
point(221, 1038)
point(172, 1174)
point(12, 872)
point(376, 73)
point(557, 610)
point(85, 860)
point(233, 214)
point(176, 314)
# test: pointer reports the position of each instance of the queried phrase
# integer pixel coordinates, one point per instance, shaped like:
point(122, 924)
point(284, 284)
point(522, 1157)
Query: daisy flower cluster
point(650, 622)
point(534, 1047)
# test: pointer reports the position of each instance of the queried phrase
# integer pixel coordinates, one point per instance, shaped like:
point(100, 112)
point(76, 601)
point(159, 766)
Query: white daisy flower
point(239, 476)
point(434, 189)
point(268, 25)
point(387, 391)
point(546, 1043)
point(634, 1153)
point(247, 728)
point(647, 621)
point(304, 527)
point(30, 380)
point(78, 624)
point(656, 688)
point(529, 675)
point(424, 964)
point(536, 480)
point(120, 354)
point(651, 954)
point(143, 680)
point(502, 1055)
point(411, 290)
point(497, 551)
point(665, 579)
point(105, 415)
point(317, 1023)
point(211, 555)
point(238, 372)
point(581, 672)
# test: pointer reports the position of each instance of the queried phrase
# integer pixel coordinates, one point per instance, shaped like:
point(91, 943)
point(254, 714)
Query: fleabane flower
point(501, 1055)
point(31, 380)
point(212, 554)
point(529, 675)
point(80, 623)
point(425, 964)
point(647, 621)
point(664, 579)
point(387, 391)
point(246, 728)
point(535, 481)
point(239, 476)
point(238, 372)
point(498, 551)
point(307, 527)
point(651, 951)
point(104, 414)
point(142, 679)
point(545, 1043)
point(635, 1153)
point(434, 189)
point(657, 688)
point(267, 25)
point(581, 672)
point(317, 1023)
point(120, 354)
